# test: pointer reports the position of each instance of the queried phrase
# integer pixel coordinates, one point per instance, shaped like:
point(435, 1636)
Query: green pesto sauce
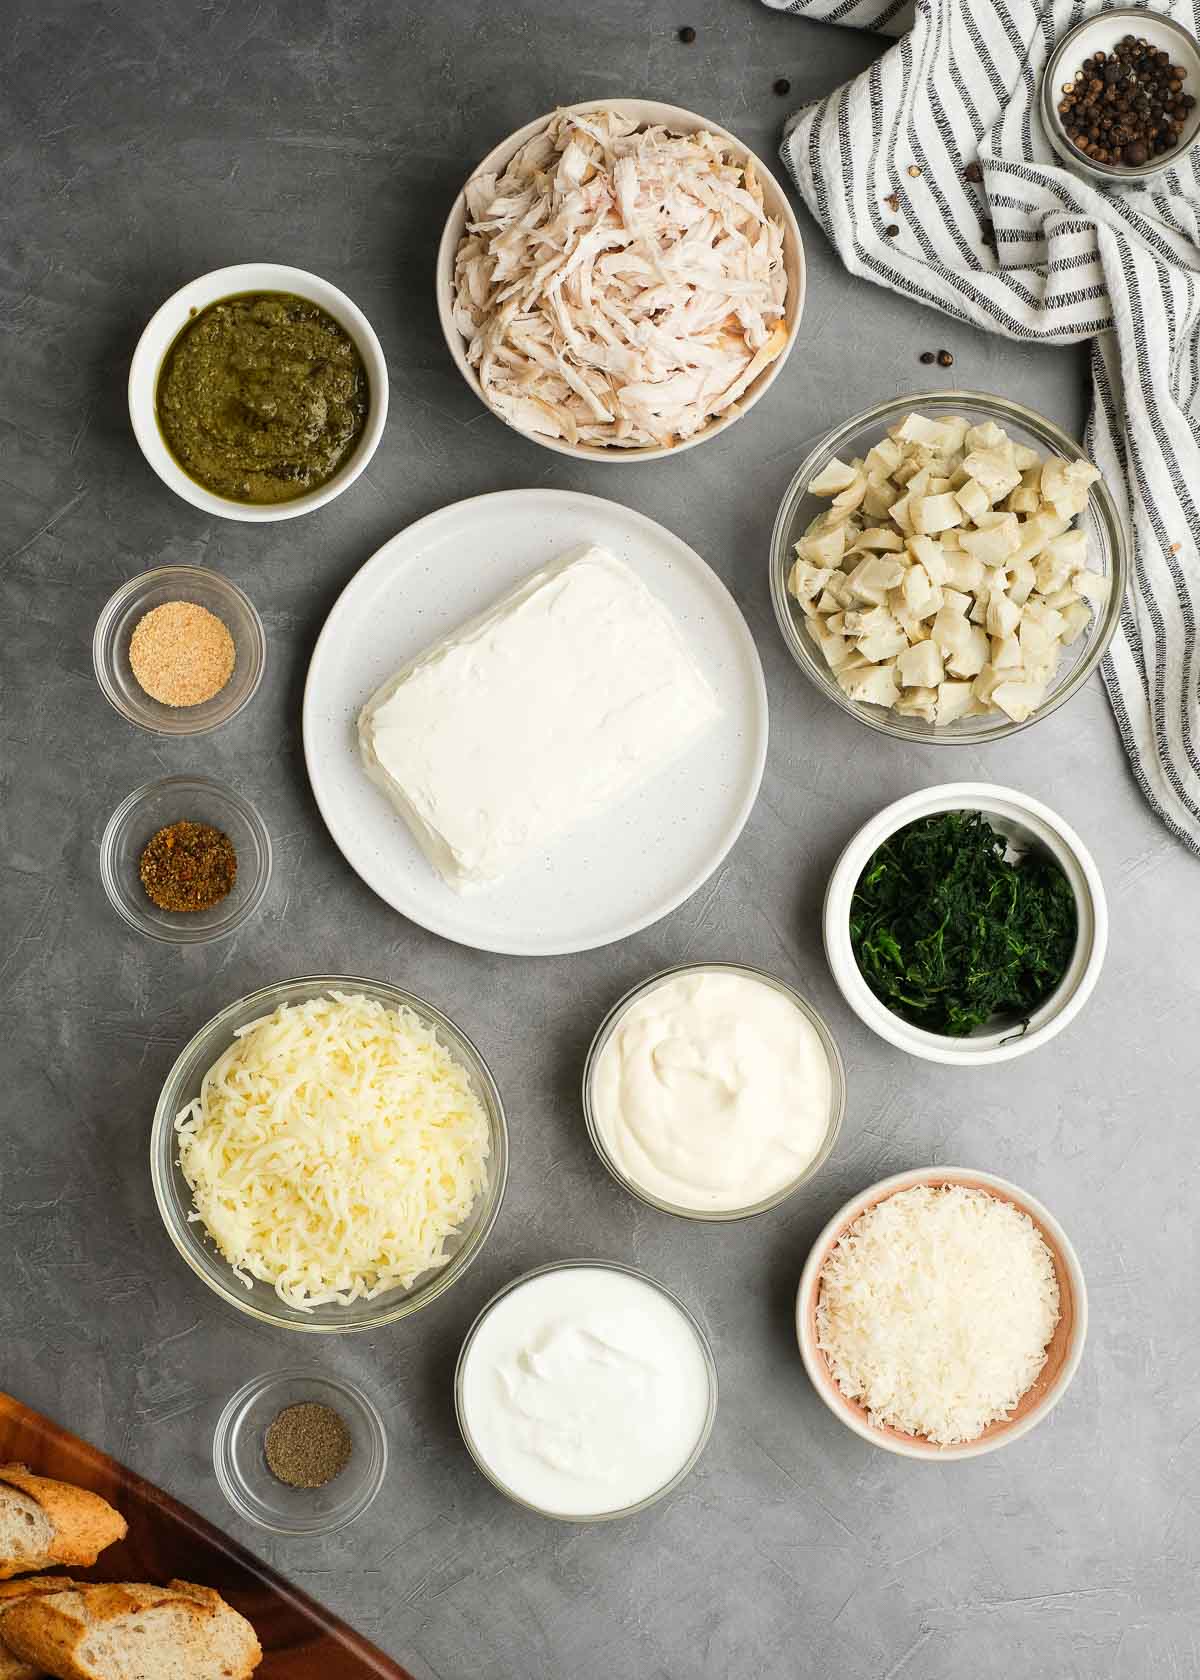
point(262, 397)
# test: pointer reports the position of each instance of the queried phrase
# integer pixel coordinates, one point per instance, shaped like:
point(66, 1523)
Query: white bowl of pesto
point(238, 282)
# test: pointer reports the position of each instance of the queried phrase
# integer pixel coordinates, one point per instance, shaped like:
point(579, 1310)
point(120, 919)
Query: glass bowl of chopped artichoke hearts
point(948, 567)
point(329, 1153)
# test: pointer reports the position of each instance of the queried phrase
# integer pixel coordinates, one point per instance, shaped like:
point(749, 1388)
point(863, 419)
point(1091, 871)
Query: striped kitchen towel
point(1035, 252)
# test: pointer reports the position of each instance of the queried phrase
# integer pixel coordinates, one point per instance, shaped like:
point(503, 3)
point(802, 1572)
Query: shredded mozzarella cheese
point(334, 1149)
point(935, 1310)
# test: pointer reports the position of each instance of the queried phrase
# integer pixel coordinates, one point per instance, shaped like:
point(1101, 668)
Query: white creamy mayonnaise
point(584, 1390)
point(712, 1092)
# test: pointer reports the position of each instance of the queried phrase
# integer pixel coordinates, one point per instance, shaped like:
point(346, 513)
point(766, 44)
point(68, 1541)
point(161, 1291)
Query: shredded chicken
point(619, 286)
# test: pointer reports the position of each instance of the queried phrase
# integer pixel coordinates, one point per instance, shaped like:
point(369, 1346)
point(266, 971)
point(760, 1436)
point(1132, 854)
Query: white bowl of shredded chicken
point(942, 1313)
point(329, 1153)
point(620, 280)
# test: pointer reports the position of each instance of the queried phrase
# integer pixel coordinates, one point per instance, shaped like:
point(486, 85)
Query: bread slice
point(13, 1667)
point(177, 1632)
point(43, 1523)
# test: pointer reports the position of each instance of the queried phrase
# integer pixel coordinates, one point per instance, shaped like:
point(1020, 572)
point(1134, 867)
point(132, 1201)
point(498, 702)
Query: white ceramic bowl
point(1062, 1355)
point(1101, 33)
point(645, 111)
point(169, 321)
point(1026, 823)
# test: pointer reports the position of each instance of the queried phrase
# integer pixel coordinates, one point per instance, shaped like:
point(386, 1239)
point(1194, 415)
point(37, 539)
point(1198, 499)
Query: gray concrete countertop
point(142, 144)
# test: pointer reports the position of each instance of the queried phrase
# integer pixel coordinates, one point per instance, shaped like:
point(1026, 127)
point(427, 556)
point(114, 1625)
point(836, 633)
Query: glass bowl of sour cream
point(713, 1091)
point(585, 1390)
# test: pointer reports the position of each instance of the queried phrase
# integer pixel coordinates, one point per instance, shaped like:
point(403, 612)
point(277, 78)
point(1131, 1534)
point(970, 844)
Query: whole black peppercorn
point(945, 358)
point(927, 356)
point(891, 230)
point(974, 173)
point(782, 86)
point(687, 35)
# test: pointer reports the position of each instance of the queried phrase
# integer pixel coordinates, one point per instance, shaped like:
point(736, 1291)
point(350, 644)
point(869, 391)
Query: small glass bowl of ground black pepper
point(185, 860)
point(300, 1452)
point(179, 650)
point(1121, 96)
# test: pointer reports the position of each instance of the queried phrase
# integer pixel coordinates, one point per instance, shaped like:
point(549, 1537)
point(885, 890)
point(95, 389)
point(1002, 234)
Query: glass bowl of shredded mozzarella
point(947, 567)
point(329, 1154)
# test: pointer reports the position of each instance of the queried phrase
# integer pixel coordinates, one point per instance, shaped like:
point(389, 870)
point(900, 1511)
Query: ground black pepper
point(188, 866)
point(1127, 106)
point(307, 1445)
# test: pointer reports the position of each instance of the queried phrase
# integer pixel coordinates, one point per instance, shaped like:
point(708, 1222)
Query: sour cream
point(712, 1092)
point(583, 1390)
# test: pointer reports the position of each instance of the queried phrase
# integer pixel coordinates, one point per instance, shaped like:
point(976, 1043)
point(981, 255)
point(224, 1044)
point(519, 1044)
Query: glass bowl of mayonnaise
point(713, 1091)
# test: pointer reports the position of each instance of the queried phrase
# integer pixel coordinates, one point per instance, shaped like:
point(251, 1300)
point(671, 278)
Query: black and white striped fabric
point(1069, 262)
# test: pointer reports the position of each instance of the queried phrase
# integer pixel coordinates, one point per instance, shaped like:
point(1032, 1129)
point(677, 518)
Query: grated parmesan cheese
point(333, 1150)
point(935, 1309)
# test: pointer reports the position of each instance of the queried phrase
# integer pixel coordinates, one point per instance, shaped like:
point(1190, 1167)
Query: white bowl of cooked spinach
point(966, 924)
point(258, 392)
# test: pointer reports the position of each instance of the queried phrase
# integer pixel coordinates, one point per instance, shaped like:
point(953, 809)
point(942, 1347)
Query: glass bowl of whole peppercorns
point(1120, 95)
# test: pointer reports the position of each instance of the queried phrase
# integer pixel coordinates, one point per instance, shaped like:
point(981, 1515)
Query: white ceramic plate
point(610, 877)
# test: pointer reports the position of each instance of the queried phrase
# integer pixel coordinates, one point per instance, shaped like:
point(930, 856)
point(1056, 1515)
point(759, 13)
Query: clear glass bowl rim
point(162, 1152)
point(1103, 626)
point(137, 585)
point(183, 934)
point(710, 1366)
point(837, 1106)
point(231, 1484)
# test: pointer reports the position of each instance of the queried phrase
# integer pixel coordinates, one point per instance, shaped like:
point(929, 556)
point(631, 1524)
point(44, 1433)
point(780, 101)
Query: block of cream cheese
point(550, 707)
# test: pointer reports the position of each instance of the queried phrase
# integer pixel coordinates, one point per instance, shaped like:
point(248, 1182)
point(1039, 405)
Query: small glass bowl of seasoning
point(1120, 95)
point(185, 860)
point(179, 650)
point(300, 1452)
point(238, 395)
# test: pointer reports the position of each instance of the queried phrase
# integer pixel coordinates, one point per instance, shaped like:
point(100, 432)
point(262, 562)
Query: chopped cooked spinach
point(949, 934)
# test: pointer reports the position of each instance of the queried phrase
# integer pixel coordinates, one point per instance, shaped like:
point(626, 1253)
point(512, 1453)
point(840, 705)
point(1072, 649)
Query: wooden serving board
point(300, 1640)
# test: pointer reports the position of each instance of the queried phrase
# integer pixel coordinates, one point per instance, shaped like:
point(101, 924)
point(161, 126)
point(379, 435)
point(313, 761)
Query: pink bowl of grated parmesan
point(944, 1296)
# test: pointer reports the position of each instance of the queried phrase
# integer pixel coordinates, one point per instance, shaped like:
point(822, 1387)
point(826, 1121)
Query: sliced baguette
point(44, 1523)
point(13, 1667)
point(135, 1632)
